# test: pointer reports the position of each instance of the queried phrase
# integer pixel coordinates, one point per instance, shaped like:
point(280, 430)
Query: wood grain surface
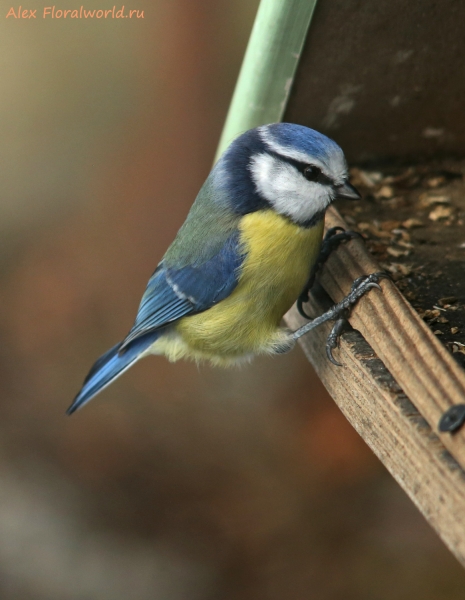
point(395, 396)
point(382, 414)
point(394, 400)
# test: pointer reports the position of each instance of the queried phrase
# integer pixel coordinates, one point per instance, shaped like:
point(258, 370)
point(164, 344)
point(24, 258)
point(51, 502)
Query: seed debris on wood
point(440, 212)
point(416, 215)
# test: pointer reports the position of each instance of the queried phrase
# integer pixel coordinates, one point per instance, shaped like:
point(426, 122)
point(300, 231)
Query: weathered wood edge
point(419, 363)
point(381, 413)
point(437, 490)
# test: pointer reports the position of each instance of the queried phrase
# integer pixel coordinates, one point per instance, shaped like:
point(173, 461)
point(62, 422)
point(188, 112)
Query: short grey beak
point(347, 191)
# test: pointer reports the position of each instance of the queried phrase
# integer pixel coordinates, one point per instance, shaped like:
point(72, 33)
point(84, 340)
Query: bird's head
point(292, 169)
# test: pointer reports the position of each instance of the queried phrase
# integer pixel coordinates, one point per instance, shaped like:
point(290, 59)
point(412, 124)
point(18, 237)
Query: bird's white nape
point(287, 190)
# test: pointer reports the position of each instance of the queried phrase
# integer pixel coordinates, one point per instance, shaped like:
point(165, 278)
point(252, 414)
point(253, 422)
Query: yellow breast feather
point(279, 256)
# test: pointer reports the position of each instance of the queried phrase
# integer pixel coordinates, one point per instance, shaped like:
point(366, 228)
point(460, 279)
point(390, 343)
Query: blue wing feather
point(174, 293)
point(171, 294)
point(208, 283)
point(159, 306)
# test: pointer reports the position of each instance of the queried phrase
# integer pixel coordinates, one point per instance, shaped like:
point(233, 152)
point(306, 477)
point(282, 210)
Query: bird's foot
point(333, 238)
point(341, 311)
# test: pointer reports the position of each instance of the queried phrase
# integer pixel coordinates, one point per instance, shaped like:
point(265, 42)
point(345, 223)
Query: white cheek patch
point(287, 190)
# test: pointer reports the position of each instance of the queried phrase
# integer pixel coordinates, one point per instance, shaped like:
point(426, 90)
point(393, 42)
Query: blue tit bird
point(241, 258)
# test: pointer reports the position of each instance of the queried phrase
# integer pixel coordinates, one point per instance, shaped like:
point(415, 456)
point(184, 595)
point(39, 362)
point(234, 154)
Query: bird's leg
point(340, 312)
point(333, 238)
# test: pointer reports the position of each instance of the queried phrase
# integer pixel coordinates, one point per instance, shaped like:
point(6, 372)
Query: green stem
point(269, 66)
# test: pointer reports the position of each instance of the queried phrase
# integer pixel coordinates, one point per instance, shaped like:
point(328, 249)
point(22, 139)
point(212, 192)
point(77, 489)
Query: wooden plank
point(381, 413)
point(414, 356)
point(376, 76)
point(402, 435)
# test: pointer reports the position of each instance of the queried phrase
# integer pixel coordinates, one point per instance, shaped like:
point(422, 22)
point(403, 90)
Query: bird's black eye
point(311, 172)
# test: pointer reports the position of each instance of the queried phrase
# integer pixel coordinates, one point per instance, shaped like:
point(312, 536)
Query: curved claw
point(329, 354)
point(372, 284)
point(333, 231)
point(333, 338)
point(342, 235)
point(368, 281)
point(300, 308)
point(354, 235)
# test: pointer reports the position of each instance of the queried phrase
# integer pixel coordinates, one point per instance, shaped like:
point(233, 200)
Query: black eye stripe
point(301, 166)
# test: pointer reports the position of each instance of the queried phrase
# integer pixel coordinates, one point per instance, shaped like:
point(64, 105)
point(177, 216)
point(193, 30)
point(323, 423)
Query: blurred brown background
point(178, 482)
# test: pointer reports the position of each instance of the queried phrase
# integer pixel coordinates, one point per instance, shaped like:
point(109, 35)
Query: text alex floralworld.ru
point(51, 12)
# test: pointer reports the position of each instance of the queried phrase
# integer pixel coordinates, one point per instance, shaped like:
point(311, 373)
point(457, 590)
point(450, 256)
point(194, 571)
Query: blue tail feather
point(110, 366)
